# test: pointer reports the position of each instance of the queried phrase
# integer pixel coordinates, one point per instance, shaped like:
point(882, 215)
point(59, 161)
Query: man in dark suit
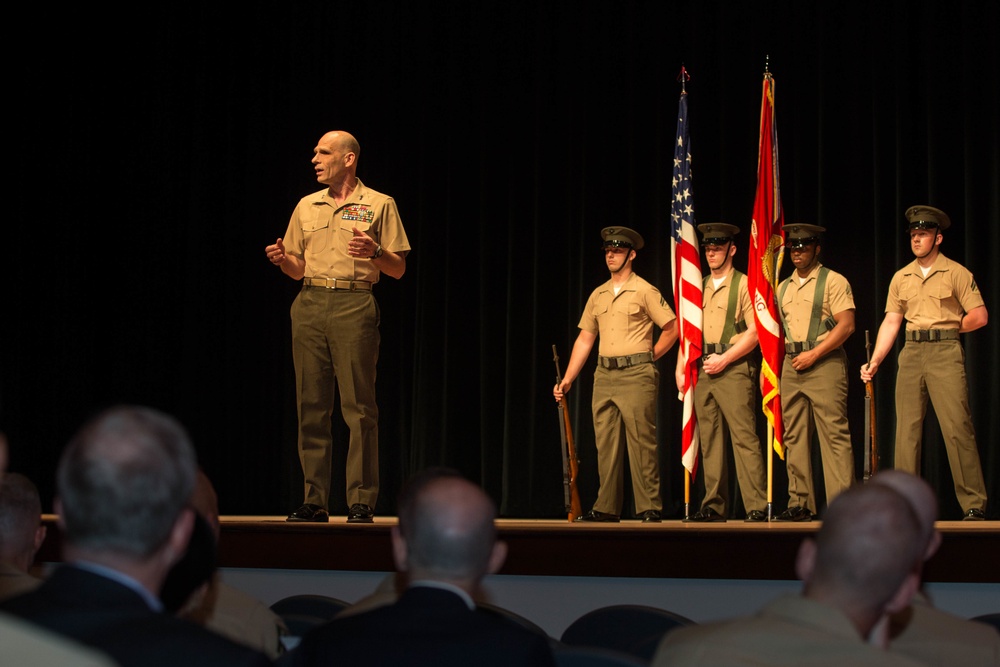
point(123, 487)
point(446, 543)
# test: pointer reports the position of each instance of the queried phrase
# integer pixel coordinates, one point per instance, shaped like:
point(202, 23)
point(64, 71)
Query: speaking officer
point(622, 312)
point(725, 391)
point(339, 241)
point(939, 299)
point(817, 313)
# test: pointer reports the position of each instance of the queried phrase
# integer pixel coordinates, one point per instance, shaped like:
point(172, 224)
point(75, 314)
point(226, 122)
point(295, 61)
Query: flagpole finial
point(683, 77)
point(767, 64)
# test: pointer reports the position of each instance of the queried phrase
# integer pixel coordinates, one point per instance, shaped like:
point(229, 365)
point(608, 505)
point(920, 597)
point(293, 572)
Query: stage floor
point(672, 549)
point(547, 547)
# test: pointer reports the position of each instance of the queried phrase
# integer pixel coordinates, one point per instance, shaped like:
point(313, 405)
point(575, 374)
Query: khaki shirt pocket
point(907, 293)
point(316, 231)
point(941, 304)
point(350, 225)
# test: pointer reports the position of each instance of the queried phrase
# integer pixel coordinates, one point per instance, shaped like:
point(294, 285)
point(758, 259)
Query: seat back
point(320, 606)
point(508, 615)
point(302, 613)
point(590, 656)
point(632, 629)
point(988, 619)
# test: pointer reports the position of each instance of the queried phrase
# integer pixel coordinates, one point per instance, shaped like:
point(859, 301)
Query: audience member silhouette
point(23, 643)
point(123, 485)
point(219, 606)
point(920, 630)
point(21, 534)
point(188, 581)
point(446, 543)
point(862, 564)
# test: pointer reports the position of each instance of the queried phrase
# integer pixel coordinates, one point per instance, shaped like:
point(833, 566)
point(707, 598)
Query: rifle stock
point(871, 443)
point(571, 497)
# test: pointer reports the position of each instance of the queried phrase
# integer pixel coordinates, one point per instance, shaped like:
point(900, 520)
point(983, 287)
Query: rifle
point(871, 448)
point(571, 497)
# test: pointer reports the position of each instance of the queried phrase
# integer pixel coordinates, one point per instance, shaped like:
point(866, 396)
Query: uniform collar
point(726, 279)
point(805, 611)
point(427, 583)
point(809, 276)
point(942, 263)
point(629, 286)
point(358, 196)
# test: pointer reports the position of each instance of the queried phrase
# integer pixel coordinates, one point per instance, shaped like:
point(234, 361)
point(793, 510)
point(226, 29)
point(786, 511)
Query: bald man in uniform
point(939, 300)
point(862, 564)
point(622, 312)
point(724, 393)
point(817, 312)
point(339, 241)
point(922, 631)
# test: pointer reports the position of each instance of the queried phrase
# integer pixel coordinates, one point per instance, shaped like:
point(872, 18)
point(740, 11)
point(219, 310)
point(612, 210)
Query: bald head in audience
point(865, 560)
point(922, 500)
point(446, 531)
point(920, 630)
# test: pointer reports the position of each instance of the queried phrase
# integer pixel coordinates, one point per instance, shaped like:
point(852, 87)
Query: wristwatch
point(378, 252)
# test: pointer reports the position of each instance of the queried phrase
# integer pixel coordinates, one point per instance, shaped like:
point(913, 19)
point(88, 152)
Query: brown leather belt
point(338, 284)
point(931, 335)
point(612, 363)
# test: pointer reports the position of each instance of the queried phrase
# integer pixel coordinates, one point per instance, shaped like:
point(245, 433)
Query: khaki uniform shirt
point(625, 321)
point(797, 301)
point(29, 645)
point(791, 630)
point(234, 614)
point(715, 304)
point(319, 231)
point(14, 582)
point(939, 638)
point(939, 301)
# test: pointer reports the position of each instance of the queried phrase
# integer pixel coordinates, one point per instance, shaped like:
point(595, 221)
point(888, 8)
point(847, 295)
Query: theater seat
point(632, 629)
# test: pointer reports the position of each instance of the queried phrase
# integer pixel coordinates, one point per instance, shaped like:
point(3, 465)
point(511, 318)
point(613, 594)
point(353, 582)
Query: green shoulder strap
point(817, 310)
point(731, 327)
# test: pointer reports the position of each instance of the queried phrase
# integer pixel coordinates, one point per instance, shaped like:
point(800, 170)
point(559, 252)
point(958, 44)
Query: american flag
point(767, 241)
point(686, 264)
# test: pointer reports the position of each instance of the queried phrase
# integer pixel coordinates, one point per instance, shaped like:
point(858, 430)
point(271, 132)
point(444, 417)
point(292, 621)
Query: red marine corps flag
point(686, 263)
point(767, 242)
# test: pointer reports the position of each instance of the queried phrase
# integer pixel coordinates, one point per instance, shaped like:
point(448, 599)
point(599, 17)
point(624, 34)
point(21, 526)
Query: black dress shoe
point(360, 514)
point(706, 515)
point(309, 512)
point(795, 514)
point(650, 516)
point(601, 517)
point(975, 514)
point(756, 516)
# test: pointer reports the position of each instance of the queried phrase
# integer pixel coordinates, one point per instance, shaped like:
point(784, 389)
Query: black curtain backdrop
point(155, 150)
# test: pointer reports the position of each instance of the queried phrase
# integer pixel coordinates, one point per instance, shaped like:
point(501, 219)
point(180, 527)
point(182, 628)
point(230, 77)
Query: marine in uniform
point(339, 241)
point(939, 299)
point(725, 391)
point(817, 313)
point(622, 312)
